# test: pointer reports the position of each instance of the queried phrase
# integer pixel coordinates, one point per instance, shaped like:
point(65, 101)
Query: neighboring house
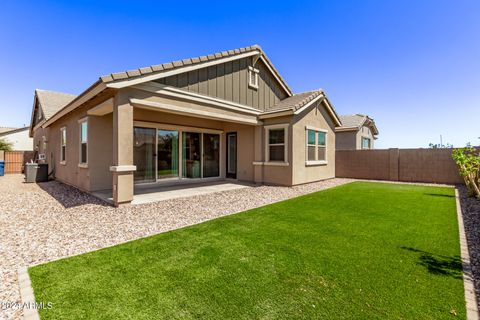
point(225, 115)
point(18, 137)
point(358, 131)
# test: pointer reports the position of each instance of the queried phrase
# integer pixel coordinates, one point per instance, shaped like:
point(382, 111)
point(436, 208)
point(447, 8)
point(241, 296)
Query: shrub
point(5, 145)
point(468, 162)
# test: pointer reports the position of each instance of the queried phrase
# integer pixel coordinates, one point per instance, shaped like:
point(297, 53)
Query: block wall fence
point(407, 165)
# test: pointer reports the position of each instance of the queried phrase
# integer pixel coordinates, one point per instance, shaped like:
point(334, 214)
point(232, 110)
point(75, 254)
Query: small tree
point(468, 161)
point(5, 145)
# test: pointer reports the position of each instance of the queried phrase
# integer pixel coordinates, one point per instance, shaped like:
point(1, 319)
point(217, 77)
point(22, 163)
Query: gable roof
point(150, 73)
point(356, 121)
point(51, 101)
point(300, 101)
point(153, 72)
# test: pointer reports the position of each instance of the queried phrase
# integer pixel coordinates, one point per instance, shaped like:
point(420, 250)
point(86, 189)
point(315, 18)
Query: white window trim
point(80, 163)
point(255, 72)
point(63, 129)
point(267, 162)
point(315, 162)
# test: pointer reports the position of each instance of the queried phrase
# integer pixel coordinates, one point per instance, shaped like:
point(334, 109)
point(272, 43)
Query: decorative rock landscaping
point(48, 221)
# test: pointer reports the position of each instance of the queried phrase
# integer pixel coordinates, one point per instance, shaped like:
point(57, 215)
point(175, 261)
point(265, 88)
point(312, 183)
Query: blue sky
point(414, 66)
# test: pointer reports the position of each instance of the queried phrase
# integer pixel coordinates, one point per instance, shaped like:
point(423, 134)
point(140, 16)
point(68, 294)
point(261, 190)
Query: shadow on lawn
point(438, 264)
point(439, 195)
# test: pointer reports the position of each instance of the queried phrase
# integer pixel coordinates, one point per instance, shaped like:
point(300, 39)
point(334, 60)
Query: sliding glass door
point(167, 154)
point(191, 155)
point(174, 154)
point(144, 154)
point(211, 155)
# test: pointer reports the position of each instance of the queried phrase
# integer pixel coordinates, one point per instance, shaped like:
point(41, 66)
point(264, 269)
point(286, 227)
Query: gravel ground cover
point(471, 219)
point(47, 221)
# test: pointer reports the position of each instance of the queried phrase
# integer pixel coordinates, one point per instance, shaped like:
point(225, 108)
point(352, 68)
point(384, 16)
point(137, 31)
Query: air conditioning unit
point(41, 156)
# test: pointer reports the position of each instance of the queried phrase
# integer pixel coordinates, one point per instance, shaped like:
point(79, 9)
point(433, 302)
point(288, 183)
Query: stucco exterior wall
point(352, 140)
point(365, 132)
point(303, 173)
point(100, 151)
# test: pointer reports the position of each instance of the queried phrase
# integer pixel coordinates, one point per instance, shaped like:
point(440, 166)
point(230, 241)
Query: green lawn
point(362, 250)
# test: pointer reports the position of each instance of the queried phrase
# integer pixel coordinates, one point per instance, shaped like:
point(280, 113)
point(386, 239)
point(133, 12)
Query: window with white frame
point(365, 143)
point(253, 77)
point(276, 143)
point(316, 145)
point(83, 141)
point(63, 145)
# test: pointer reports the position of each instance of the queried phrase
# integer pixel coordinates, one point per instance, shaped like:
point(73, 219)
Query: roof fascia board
point(298, 111)
point(287, 90)
point(191, 96)
point(30, 132)
point(190, 111)
point(81, 99)
point(340, 129)
point(277, 113)
point(164, 74)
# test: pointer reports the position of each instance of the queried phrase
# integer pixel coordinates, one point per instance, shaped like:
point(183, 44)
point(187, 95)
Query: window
point(316, 146)
point(83, 141)
point(253, 77)
point(276, 143)
point(63, 145)
point(365, 143)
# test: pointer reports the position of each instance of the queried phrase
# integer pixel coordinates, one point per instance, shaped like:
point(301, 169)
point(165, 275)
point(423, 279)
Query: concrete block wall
point(408, 165)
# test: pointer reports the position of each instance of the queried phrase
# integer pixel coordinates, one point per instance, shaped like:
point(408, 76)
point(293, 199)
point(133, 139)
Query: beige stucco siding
point(229, 81)
point(367, 133)
point(100, 148)
point(317, 118)
point(69, 172)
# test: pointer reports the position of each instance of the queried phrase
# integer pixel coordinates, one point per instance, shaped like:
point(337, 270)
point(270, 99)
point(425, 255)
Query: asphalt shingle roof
point(52, 101)
point(353, 120)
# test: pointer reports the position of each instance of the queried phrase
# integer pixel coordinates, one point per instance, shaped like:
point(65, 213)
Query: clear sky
point(414, 66)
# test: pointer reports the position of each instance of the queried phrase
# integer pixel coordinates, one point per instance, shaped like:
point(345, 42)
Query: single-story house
point(227, 115)
point(18, 137)
point(358, 131)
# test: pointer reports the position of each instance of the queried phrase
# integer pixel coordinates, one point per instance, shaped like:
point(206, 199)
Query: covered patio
point(152, 192)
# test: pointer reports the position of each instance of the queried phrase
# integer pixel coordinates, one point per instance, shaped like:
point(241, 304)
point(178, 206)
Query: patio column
point(258, 155)
point(123, 168)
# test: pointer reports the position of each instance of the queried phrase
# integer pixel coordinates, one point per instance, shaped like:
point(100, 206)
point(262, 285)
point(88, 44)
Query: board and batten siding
point(229, 81)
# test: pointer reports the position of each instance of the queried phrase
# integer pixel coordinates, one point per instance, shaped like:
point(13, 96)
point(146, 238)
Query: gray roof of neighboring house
point(357, 120)
point(135, 73)
point(6, 129)
point(11, 130)
point(353, 120)
point(52, 101)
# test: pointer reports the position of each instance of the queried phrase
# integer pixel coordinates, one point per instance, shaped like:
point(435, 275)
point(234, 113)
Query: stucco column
point(123, 168)
point(258, 155)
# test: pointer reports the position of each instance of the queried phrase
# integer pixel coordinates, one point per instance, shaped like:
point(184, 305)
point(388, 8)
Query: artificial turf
point(358, 251)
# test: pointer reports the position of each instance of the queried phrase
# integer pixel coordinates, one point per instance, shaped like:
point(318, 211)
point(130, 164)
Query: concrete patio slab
point(148, 193)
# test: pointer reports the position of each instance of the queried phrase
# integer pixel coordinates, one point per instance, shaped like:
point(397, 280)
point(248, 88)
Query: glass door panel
point(144, 154)
point(167, 155)
point(211, 155)
point(191, 155)
point(232, 155)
